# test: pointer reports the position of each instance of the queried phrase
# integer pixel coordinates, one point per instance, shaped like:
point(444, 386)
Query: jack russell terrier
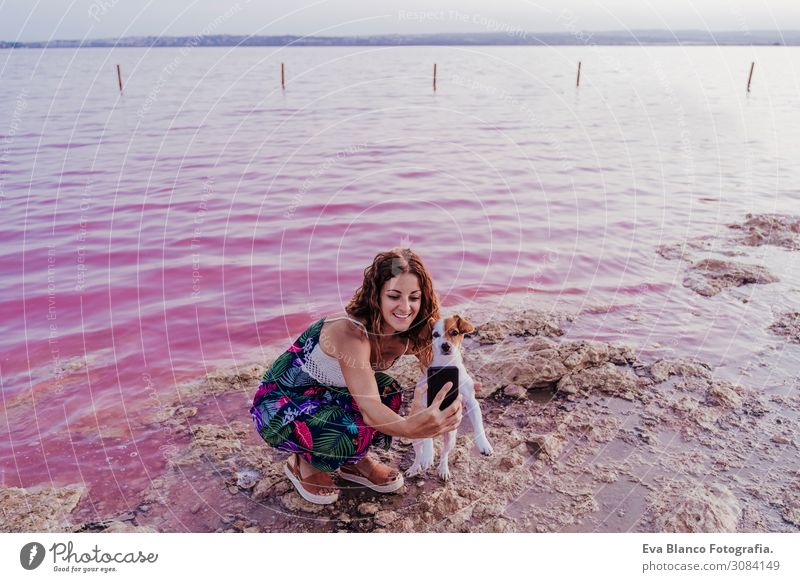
point(448, 333)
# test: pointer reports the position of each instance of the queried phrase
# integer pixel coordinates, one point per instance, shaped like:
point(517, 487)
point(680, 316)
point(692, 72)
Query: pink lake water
point(205, 216)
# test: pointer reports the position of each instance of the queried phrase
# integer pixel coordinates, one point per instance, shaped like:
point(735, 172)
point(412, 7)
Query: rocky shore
point(588, 436)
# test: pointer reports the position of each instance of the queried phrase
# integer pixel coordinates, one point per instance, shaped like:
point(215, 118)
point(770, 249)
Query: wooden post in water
point(119, 78)
point(578, 82)
point(750, 78)
point(283, 78)
point(434, 77)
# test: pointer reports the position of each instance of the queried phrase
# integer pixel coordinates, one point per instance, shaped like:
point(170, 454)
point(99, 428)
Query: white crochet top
point(324, 368)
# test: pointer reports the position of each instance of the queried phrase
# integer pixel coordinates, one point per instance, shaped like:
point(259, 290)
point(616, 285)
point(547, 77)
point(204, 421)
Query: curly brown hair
point(365, 304)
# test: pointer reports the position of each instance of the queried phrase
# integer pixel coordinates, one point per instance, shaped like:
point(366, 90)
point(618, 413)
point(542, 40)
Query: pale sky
point(29, 20)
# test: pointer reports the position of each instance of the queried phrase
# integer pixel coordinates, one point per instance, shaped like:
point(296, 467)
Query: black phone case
point(437, 378)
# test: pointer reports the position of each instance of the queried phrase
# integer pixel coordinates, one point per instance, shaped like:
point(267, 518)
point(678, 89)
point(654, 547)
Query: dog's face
point(448, 333)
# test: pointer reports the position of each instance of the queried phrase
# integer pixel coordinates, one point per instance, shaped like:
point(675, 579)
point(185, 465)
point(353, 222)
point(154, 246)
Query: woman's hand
point(428, 421)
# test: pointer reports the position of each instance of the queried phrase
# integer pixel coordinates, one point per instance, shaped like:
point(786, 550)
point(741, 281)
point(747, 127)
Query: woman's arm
point(353, 358)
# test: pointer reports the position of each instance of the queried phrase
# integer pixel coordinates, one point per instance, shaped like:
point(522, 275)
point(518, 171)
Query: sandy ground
point(587, 437)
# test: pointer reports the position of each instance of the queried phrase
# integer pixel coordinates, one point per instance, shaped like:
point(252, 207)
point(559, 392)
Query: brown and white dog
point(448, 333)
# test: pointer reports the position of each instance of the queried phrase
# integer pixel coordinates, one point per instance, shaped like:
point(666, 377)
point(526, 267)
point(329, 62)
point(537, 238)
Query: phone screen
point(437, 378)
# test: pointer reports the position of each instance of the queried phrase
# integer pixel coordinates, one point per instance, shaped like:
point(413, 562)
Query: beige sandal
point(376, 477)
point(314, 488)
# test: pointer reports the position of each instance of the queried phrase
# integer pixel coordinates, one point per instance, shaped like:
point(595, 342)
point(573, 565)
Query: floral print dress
point(294, 412)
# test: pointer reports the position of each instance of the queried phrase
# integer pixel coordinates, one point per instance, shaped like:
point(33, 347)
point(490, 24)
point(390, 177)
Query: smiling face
point(448, 333)
point(400, 301)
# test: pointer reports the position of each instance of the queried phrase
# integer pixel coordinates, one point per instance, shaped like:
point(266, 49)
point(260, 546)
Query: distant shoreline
point(509, 38)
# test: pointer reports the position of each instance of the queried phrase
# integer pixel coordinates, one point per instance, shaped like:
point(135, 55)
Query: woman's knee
point(391, 391)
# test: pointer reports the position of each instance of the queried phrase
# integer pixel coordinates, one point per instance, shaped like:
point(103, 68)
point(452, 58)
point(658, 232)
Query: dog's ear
point(463, 325)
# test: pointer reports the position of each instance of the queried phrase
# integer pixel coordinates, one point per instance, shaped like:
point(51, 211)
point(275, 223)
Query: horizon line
point(516, 36)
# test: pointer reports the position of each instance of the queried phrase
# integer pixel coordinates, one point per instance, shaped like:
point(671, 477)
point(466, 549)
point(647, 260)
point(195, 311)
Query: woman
point(327, 399)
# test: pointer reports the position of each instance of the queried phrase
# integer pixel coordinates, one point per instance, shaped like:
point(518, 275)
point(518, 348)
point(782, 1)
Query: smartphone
point(437, 378)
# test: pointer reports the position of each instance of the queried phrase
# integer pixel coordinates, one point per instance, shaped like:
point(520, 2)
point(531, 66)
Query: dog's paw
point(414, 470)
point(484, 447)
point(444, 472)
point(426, 460)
